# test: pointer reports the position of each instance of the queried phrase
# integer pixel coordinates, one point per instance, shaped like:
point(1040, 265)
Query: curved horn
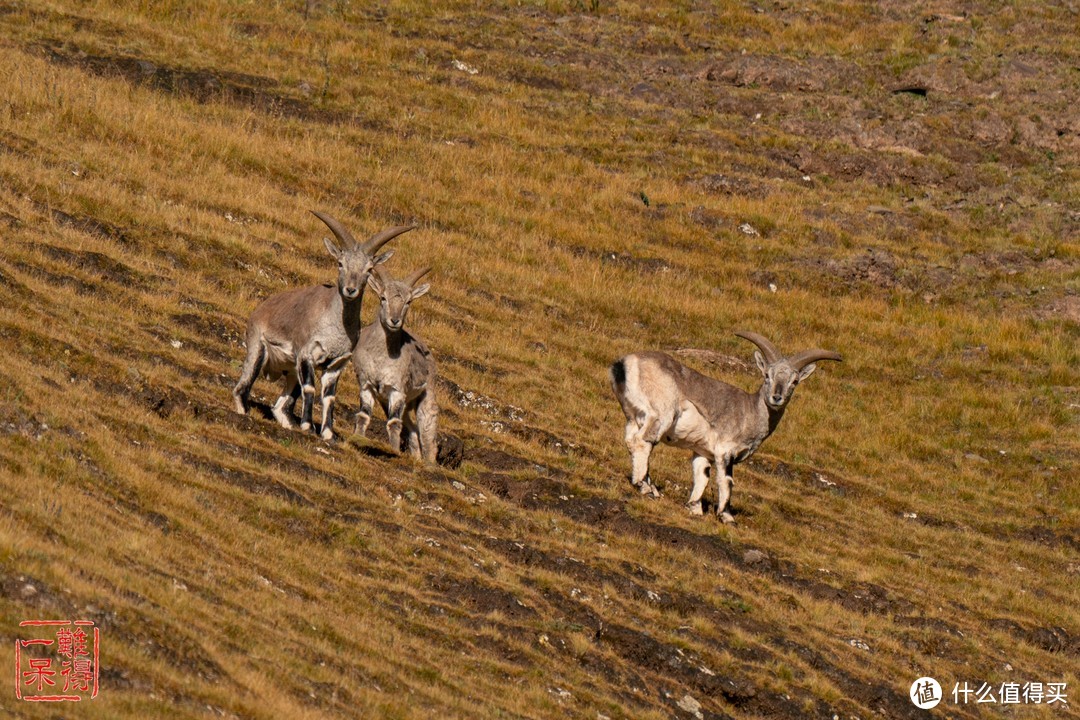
point(377, 240)
point(801, 360)
point(770, 351)
point(415, 277)
point(337, 228)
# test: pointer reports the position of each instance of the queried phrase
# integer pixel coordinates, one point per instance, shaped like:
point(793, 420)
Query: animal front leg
point(640, 451)
point(363, 415)
point(699, 465)
point(253, 365)
point(283, 408)
point(395, 408)
point(329, 394)
point(306, 370)
point(724, 481)
point(410, 436)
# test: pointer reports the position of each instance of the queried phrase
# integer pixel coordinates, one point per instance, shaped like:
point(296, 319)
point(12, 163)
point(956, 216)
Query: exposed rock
point(451, 451)
point(691, 705)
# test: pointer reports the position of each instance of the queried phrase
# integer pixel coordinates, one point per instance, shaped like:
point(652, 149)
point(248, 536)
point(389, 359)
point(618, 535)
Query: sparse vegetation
point(917, 514)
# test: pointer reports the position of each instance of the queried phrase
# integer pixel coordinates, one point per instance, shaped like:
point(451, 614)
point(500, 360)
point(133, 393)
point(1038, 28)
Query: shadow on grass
point(371, 448)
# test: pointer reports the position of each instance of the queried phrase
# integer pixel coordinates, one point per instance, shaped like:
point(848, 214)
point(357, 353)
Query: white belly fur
point(280, 358)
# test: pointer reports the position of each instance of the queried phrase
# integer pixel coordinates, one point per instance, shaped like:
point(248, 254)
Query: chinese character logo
point(59, 663)
point(925, 693)
point(1012, 693)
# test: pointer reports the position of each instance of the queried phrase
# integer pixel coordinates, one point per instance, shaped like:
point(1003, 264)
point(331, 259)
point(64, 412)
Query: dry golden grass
point(580, 197)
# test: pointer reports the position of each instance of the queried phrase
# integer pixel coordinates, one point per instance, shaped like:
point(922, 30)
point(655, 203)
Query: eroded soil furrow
point(204, 85)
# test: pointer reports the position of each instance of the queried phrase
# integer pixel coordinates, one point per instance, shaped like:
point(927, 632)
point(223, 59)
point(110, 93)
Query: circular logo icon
point(925, 693)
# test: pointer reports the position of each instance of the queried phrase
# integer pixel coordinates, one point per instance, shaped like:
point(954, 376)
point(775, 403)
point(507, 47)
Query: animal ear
point(374, 284)
point(380, 259)
point(422, 290)
point(760, 360)
point(807, 371)
point(332, 248)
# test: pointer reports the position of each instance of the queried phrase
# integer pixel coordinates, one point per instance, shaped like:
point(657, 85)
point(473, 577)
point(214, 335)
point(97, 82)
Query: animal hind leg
point(724, 482)
point(305, 369)
point(283, 408)
point(427, 421)
point(640, 450)
point(699, 465)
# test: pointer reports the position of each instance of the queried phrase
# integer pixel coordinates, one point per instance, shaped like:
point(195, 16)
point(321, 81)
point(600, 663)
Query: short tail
point(618, 376)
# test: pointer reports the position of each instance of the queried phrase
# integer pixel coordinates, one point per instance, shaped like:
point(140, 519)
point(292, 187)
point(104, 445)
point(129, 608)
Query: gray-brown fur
point(396, 369)
point(665, 401)
point(296, 333)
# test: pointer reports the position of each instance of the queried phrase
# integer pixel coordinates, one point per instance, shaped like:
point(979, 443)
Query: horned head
point(395, 296)
point(781, 373)
point(357, 260)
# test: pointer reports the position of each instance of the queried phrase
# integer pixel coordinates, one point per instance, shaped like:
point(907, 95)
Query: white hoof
point(727, 518)
point(695, 508)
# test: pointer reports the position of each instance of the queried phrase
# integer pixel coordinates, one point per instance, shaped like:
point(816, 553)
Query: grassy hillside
point(896, 181)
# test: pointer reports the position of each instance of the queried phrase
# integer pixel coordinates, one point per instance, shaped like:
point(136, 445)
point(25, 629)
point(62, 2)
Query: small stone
point(754, 556)
point(28, 591)
point(458, 65)
point(458, 486)
point(690, 704)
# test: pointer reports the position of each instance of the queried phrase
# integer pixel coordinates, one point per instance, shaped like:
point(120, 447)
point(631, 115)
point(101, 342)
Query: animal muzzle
point(350, 292)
